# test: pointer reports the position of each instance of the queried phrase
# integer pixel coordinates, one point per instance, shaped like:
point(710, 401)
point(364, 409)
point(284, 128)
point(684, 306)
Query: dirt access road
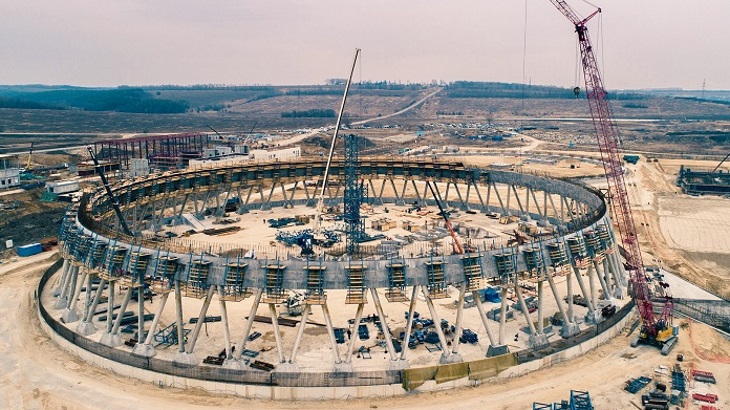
point(38, 374)
point(686, 235)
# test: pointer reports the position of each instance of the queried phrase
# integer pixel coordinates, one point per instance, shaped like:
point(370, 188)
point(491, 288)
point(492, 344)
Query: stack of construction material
point(678, 380)
point(655, 400)
point(703, 376)
point(706, 397)
point(634, 385)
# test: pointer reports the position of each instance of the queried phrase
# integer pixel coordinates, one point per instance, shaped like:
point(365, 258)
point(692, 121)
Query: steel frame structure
point(164, 151)
point(353, 196)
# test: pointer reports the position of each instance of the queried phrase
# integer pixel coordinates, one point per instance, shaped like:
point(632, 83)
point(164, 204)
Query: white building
point(139, 167)
point(254, 155)
point(9, 171)
point(62, 187)
point(275, 154)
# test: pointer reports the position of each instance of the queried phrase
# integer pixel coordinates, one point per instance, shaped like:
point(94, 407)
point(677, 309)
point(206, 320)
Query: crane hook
point(576, 91)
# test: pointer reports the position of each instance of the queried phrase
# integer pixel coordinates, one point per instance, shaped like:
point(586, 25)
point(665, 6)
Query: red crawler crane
point(656, 329)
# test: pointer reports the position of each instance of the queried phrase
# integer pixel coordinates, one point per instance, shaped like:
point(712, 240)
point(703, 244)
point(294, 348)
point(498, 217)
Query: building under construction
point(9, 171)
point(345, 315)
point(162, 151)
point(704, 182)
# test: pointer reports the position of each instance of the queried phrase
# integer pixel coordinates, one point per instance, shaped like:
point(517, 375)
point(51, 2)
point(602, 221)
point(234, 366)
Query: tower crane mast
point(655, 327)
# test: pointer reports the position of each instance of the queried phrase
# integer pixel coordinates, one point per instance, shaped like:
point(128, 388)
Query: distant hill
point(175, 99)
point(121, 99)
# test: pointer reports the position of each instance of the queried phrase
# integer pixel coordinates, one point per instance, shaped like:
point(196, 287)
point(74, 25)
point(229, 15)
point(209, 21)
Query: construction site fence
point(715, 313)
point(409, 378)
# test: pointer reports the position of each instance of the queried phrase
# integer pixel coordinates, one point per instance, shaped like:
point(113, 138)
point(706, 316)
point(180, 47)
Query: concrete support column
point(535, 339)
point(384, 323)
point(87, 302)
point(69, 286)
point(592, 287)
point(112, 338)
point(618, 276)
point(604, 286)
point(483, 316)
point(224, 319)
point(300, 333)
point(409, 322)
point(110, 307)
point(179, 318)
point(62, 301)
point(503, 315)
point(591, 316)
point(523, 307)
point(437, 324)
point(277, 332)
point(249, 324)
point(540, 313)
point(459, 314)
point(355, 327)
point(201, 320)
point(70, 315)
point(62, 279)
point(140, 314)
point(619, 266)
point(569, 328)
point(569, 290)
point(122, 310)
point(86, 327)
point(146, 349)
point(607, 277)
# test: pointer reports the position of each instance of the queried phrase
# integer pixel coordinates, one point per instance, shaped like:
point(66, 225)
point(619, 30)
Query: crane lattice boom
point(608, 142)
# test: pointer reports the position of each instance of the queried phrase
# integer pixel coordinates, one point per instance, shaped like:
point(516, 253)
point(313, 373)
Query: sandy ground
point(687, 235)
point(37, 374)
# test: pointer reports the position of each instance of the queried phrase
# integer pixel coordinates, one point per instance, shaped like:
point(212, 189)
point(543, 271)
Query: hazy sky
point(645, 43)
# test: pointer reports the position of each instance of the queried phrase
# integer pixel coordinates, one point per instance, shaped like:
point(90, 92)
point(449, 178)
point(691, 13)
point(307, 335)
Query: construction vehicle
point(29, 164)
point(656, 328)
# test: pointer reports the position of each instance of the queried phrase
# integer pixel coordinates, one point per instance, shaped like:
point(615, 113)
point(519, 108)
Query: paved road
point(410, 107)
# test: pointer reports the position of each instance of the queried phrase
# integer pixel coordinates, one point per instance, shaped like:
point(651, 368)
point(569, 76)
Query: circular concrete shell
point(577, 242)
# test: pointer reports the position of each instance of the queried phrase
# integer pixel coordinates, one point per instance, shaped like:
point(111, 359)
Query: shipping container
point(30, 249)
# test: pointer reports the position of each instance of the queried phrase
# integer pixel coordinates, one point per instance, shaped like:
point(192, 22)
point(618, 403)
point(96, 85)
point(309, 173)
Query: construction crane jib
point(654, 326)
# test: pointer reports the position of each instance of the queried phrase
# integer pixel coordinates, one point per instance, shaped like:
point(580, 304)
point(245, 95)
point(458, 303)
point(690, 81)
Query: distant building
point(63, 187)
point(139, 167)
point(237, 158)
point(9, 171)
point(275, 154)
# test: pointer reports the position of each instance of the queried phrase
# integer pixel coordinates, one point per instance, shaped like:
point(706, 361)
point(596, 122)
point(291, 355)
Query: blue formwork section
point(678, 381)
point(580, 400)
point(634, 385)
